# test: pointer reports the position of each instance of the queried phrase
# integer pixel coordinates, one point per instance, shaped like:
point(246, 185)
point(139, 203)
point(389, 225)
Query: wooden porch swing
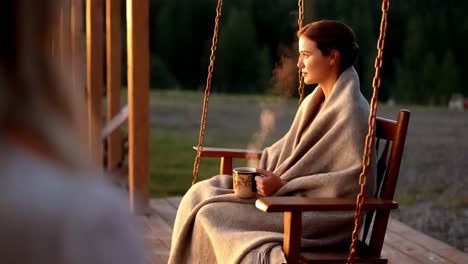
point(390, 139)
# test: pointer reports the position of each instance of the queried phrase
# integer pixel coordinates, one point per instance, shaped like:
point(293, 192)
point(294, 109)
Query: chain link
point(201, 136)
point(371, 130)
point(301, 87)
point(300, 21)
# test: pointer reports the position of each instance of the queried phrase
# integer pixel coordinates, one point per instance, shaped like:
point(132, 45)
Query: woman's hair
point(333, 35)
point(36, 94)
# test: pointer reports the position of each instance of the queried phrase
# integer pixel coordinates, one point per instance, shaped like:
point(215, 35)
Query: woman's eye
point(303, 56)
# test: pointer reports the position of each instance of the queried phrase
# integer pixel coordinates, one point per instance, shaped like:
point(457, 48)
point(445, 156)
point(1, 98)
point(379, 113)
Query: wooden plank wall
point(138, 102)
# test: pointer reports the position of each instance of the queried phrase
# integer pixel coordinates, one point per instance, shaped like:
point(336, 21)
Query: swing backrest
point(390, 141)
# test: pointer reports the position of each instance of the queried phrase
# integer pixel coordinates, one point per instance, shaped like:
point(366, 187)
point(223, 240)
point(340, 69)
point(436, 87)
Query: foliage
point(424, 50)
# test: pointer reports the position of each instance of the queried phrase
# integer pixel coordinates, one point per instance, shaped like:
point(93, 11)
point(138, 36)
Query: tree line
point(424, 56)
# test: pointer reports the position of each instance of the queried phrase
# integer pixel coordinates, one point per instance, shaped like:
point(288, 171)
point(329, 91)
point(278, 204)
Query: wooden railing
point(81, 33)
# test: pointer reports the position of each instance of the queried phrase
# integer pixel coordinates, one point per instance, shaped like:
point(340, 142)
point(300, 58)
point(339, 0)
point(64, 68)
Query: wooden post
point(94, 55)
point(292, 236)
point(78, 45)
point(78, 42)
point(225, 166)
point(65, 36)
point(138, 102)
point(55, 34)
point(78, 56)
point(114, 72)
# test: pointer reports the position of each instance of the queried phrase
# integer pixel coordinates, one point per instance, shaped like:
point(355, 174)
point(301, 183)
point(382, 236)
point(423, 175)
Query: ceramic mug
point(244, 182)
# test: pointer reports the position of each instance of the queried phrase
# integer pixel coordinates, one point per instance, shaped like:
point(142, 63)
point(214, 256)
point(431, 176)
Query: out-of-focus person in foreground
point(55, 206)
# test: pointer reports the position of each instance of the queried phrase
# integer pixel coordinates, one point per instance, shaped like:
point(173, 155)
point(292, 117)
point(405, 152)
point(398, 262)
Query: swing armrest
point(292, 207)
point(302, 204)
point(226, 156)
point(230, 153)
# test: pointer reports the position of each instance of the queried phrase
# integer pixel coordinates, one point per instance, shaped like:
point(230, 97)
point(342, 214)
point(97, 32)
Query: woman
point(55, 207)
point(320, 156)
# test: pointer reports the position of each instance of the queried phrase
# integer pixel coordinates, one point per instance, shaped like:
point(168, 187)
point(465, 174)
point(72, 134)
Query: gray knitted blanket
point(320, 156)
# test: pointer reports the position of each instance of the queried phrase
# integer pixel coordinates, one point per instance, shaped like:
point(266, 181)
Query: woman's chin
point(308, 81)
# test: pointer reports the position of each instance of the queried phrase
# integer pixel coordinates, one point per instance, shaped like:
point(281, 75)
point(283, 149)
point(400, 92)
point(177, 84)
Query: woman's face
point(315, 67)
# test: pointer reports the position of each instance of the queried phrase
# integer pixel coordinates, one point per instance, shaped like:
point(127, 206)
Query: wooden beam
point(116, 123)
point(138, 102)
point(94, 55)
point(114, 77)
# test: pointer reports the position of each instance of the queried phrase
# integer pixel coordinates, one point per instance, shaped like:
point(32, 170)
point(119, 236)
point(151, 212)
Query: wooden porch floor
point(402, 243)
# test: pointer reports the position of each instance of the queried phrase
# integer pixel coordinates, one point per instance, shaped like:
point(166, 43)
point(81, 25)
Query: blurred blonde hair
point(36, 94)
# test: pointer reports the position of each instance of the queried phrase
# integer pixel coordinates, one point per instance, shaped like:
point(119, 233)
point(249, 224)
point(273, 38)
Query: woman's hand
point(268, 183)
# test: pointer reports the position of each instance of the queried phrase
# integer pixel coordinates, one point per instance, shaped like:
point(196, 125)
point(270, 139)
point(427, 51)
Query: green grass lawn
point(175, 124)
point(172, 158)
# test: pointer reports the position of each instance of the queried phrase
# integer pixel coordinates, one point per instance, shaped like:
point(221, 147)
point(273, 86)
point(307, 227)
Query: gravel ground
point(433, 178)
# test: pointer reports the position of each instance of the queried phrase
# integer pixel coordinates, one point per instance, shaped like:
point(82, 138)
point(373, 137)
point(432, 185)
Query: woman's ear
point(334, 57)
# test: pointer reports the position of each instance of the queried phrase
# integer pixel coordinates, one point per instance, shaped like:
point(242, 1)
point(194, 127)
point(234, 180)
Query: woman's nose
point(299, 63)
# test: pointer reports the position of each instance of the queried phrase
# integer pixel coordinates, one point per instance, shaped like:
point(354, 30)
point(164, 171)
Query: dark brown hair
point(333, 35)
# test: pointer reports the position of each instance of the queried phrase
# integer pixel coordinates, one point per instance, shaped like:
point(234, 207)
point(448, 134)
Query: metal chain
point(201, 136)
point(371, 121)
point(371, 130)
point(300, 20)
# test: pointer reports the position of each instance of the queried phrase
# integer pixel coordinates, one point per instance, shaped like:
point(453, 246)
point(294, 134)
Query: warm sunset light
point(246, 131)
